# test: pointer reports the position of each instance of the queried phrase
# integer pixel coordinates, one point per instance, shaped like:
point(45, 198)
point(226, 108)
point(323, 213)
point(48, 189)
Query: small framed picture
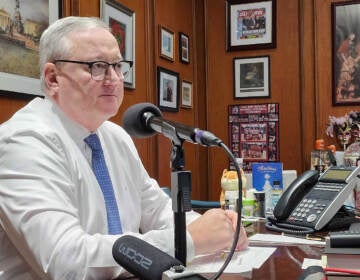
point(251, 77)
point(186, 94)
point(250, 24)
point(184, 47)
point(166, 43)
point(168, 89)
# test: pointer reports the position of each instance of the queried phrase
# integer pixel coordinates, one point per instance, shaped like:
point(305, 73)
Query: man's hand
point(214, 231)
point(243, 242)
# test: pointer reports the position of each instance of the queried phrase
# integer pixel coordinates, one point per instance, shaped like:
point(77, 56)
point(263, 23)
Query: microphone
point(143, 259)
point(145, 119)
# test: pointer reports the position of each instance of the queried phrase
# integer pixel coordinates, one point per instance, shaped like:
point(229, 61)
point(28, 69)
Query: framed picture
point(19, 46)
point(254, 133)
point(184, 48)
point(251, 77)
point(166, 43)
point(168, 89)
point(122, 23)
point(250, 24)
point(186, 94)
point(345, 53)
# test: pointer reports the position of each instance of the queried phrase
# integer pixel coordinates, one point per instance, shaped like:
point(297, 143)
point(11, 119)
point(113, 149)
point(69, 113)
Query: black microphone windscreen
point(141, 258)
point(134, 122)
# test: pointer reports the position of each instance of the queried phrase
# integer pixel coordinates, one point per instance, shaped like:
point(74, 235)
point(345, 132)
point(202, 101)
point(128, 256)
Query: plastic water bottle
point(268, 195)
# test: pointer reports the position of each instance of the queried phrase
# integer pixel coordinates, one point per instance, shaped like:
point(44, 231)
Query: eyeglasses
point(99, 69)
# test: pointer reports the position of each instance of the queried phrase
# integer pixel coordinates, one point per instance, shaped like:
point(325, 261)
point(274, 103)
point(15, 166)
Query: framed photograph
point(166, 43)
point(168, 89)
point(19, 43)
point(186, 94)
point(250, 24)
point(122, 22)
point(251, 77)
point(184, 48)
point(345, 53)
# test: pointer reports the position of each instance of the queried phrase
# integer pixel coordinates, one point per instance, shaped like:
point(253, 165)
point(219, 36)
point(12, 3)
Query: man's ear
point(50, 77)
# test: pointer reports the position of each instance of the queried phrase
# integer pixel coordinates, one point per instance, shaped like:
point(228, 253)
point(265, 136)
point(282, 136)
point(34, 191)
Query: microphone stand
point(181, 197)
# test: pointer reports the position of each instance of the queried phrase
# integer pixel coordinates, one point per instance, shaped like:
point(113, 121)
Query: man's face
point(83, 99)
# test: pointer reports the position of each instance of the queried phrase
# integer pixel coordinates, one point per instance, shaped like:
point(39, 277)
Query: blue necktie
point(104, 180)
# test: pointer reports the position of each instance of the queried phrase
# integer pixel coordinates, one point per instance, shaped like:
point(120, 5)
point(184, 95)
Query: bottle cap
point(319, 144)
point(332, 148)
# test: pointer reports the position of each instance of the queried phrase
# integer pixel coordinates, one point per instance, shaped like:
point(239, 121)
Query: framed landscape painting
point(19, 43)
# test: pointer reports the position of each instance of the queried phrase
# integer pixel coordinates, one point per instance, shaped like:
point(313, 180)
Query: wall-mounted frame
point(250, 24)
point(122, 22)
point(168, 89)
point(254, 131)
point(166, 43)
point(252, 77)
point(19, 66)
point(186, 94)
point(345, 53)
point(184, 51)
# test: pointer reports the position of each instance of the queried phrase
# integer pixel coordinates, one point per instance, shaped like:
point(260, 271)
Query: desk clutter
point(261, 188)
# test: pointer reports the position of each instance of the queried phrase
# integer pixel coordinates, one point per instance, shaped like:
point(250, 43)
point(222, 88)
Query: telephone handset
point(312, 201)
point(295, 193)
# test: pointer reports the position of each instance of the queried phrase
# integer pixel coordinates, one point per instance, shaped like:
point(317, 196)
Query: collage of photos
point(254, 133)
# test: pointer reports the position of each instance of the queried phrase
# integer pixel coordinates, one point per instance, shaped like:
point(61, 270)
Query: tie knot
point(93, 141)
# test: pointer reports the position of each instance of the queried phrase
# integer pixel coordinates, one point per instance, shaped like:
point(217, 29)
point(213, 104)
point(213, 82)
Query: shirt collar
point(76, 131)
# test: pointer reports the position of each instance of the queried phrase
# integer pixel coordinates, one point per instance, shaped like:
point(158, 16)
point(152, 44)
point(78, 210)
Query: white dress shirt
point(52, 211)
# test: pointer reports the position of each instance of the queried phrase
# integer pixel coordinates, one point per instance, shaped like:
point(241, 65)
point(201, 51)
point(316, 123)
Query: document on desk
point(261, 239)
point(241, 262)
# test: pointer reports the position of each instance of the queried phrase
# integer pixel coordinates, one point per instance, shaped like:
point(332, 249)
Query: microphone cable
point(239, 208)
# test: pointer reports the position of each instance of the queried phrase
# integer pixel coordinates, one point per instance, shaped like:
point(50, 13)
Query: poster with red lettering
point(254, 133)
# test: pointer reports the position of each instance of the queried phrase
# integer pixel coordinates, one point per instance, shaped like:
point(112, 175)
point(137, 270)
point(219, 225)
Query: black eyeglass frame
point(91, 63)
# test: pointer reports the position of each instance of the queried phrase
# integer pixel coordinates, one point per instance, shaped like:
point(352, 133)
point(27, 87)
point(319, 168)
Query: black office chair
point(197, 204)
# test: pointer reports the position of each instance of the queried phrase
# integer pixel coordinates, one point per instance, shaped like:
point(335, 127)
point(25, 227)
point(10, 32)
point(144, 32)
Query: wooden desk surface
point(286, 262)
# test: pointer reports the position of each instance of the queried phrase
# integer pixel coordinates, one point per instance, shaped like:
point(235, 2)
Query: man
point(55, 216)
point(168, 92)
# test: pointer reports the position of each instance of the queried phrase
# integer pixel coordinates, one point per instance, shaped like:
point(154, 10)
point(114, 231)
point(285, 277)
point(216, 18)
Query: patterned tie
point(103, 178)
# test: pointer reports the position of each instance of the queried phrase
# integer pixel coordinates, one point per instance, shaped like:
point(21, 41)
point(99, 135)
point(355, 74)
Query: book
point(267, 173)
point(267, 177)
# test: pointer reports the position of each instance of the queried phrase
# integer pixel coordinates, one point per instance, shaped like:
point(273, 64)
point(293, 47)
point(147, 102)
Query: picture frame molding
point(259, 88)
point(184, 49)
point(16, 85)
point(236, 43)
point(186, 102)
point(166, 48)
point(341, 30)
point(163, 76)
point(126, 17)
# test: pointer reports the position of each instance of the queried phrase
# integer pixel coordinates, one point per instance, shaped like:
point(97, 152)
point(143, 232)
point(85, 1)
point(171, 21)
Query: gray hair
point(54, 43)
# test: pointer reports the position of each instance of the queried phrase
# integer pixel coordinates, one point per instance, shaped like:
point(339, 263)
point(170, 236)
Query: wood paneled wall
point(300, 73)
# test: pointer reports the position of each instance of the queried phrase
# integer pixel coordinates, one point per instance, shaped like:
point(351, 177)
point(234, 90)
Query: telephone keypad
point(307, 211)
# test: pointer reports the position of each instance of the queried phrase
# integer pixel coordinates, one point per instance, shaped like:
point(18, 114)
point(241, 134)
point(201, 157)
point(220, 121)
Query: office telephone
point(314, 201)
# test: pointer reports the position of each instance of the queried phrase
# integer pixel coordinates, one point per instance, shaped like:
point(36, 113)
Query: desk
point(285, 263)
